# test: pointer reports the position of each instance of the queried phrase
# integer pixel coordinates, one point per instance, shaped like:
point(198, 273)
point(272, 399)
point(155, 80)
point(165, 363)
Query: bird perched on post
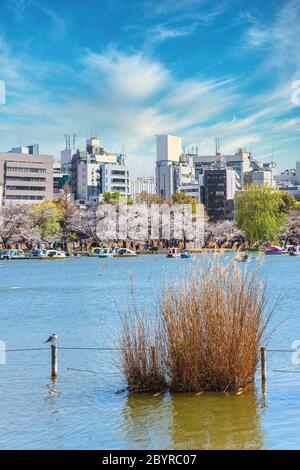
point(52, 339)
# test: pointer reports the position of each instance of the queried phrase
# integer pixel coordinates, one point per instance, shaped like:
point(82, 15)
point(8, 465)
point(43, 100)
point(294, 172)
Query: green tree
point(115, 197)
point(180, 197)
point(261, 212)
point(184, 198)
point(288, 202)
point(47, 216)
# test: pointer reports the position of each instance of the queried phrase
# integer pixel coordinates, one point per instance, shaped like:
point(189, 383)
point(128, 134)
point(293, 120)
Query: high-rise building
point(172, 166)
point(60, 180)
point(114, 177)
point(168, 148)
point(239, 162)
point(218, 190)
point(142, 185)
point(33, 149)
point(26, 178)
point(87, 179)
point(93, 146)
point(95, 171)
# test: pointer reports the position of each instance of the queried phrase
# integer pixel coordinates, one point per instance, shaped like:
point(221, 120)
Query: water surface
point(81, 299)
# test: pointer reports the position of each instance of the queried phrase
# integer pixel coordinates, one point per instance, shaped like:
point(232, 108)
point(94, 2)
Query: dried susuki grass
point(141, 354)
point(206, 335)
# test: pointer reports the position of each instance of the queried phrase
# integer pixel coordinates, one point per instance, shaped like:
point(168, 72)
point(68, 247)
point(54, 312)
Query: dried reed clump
point(209, 327)
point(141, 354)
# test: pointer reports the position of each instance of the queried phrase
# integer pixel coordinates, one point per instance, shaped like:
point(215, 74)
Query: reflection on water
point(186, 421)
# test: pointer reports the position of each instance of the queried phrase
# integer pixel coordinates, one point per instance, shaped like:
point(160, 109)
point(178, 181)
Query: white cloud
point(130, 97)
point(128, 77)
point(161, 33)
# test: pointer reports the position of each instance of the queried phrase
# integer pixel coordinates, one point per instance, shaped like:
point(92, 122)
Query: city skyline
point(130, 70)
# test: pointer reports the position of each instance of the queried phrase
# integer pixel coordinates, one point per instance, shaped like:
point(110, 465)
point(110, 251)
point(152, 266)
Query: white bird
point(52, 339)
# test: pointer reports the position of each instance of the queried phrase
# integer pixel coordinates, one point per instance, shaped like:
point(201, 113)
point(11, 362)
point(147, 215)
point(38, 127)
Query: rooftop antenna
point(67, 138)
point(217, 140)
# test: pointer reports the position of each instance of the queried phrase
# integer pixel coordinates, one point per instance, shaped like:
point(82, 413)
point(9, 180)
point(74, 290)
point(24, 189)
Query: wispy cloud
point(161, 33)
point(19, 8)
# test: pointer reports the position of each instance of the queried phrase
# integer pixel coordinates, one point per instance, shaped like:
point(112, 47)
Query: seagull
point(52, 339)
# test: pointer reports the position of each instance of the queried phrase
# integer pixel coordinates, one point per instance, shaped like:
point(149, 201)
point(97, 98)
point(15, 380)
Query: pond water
point(81, 299)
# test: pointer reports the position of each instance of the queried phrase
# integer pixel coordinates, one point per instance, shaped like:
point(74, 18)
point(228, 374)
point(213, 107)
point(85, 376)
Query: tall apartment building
point(87, 182)
point(240, 162)
point(26, 178)
point(95, 171)
point(172, 167)
point(60, 180)
point(114, 177)
point(218, 190)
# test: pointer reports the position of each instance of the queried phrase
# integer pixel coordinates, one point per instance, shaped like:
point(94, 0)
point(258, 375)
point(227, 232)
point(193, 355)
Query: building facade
point(218, 191)
point(33, 149)
point(142, 185)
point(240, 162)
point(26, 178)
point(172, 167)
point(114, 177)
point(95, 171)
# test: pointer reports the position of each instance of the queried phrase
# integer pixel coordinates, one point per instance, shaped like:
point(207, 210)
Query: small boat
point(95, 251)
point(274, 250)
point(106, 253)
point(47, 254)
point(173, 253)
point(124, 253)
point(12, 254)
point(242, 257)
point(295, 251)
point(185, 255)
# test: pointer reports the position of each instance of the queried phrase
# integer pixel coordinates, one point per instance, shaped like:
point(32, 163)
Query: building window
point(23, 198)
point(26, 169)
point(25, 178)
point(25, 188)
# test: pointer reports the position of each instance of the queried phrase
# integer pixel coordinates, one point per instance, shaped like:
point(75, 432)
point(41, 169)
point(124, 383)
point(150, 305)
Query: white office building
point(240, 162)
point(114, 177)
point(87, 179)
point(172, 167)
point(142, 185)
point(263, 178)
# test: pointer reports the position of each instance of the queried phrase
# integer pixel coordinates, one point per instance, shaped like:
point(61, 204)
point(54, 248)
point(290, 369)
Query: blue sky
point(131, 69)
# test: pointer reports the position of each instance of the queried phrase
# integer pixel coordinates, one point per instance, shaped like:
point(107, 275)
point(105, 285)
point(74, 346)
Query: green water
point(81, 299)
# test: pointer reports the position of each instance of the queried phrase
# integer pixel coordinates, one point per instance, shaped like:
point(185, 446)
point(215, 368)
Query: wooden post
point(263, 363)
point(54, 357)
